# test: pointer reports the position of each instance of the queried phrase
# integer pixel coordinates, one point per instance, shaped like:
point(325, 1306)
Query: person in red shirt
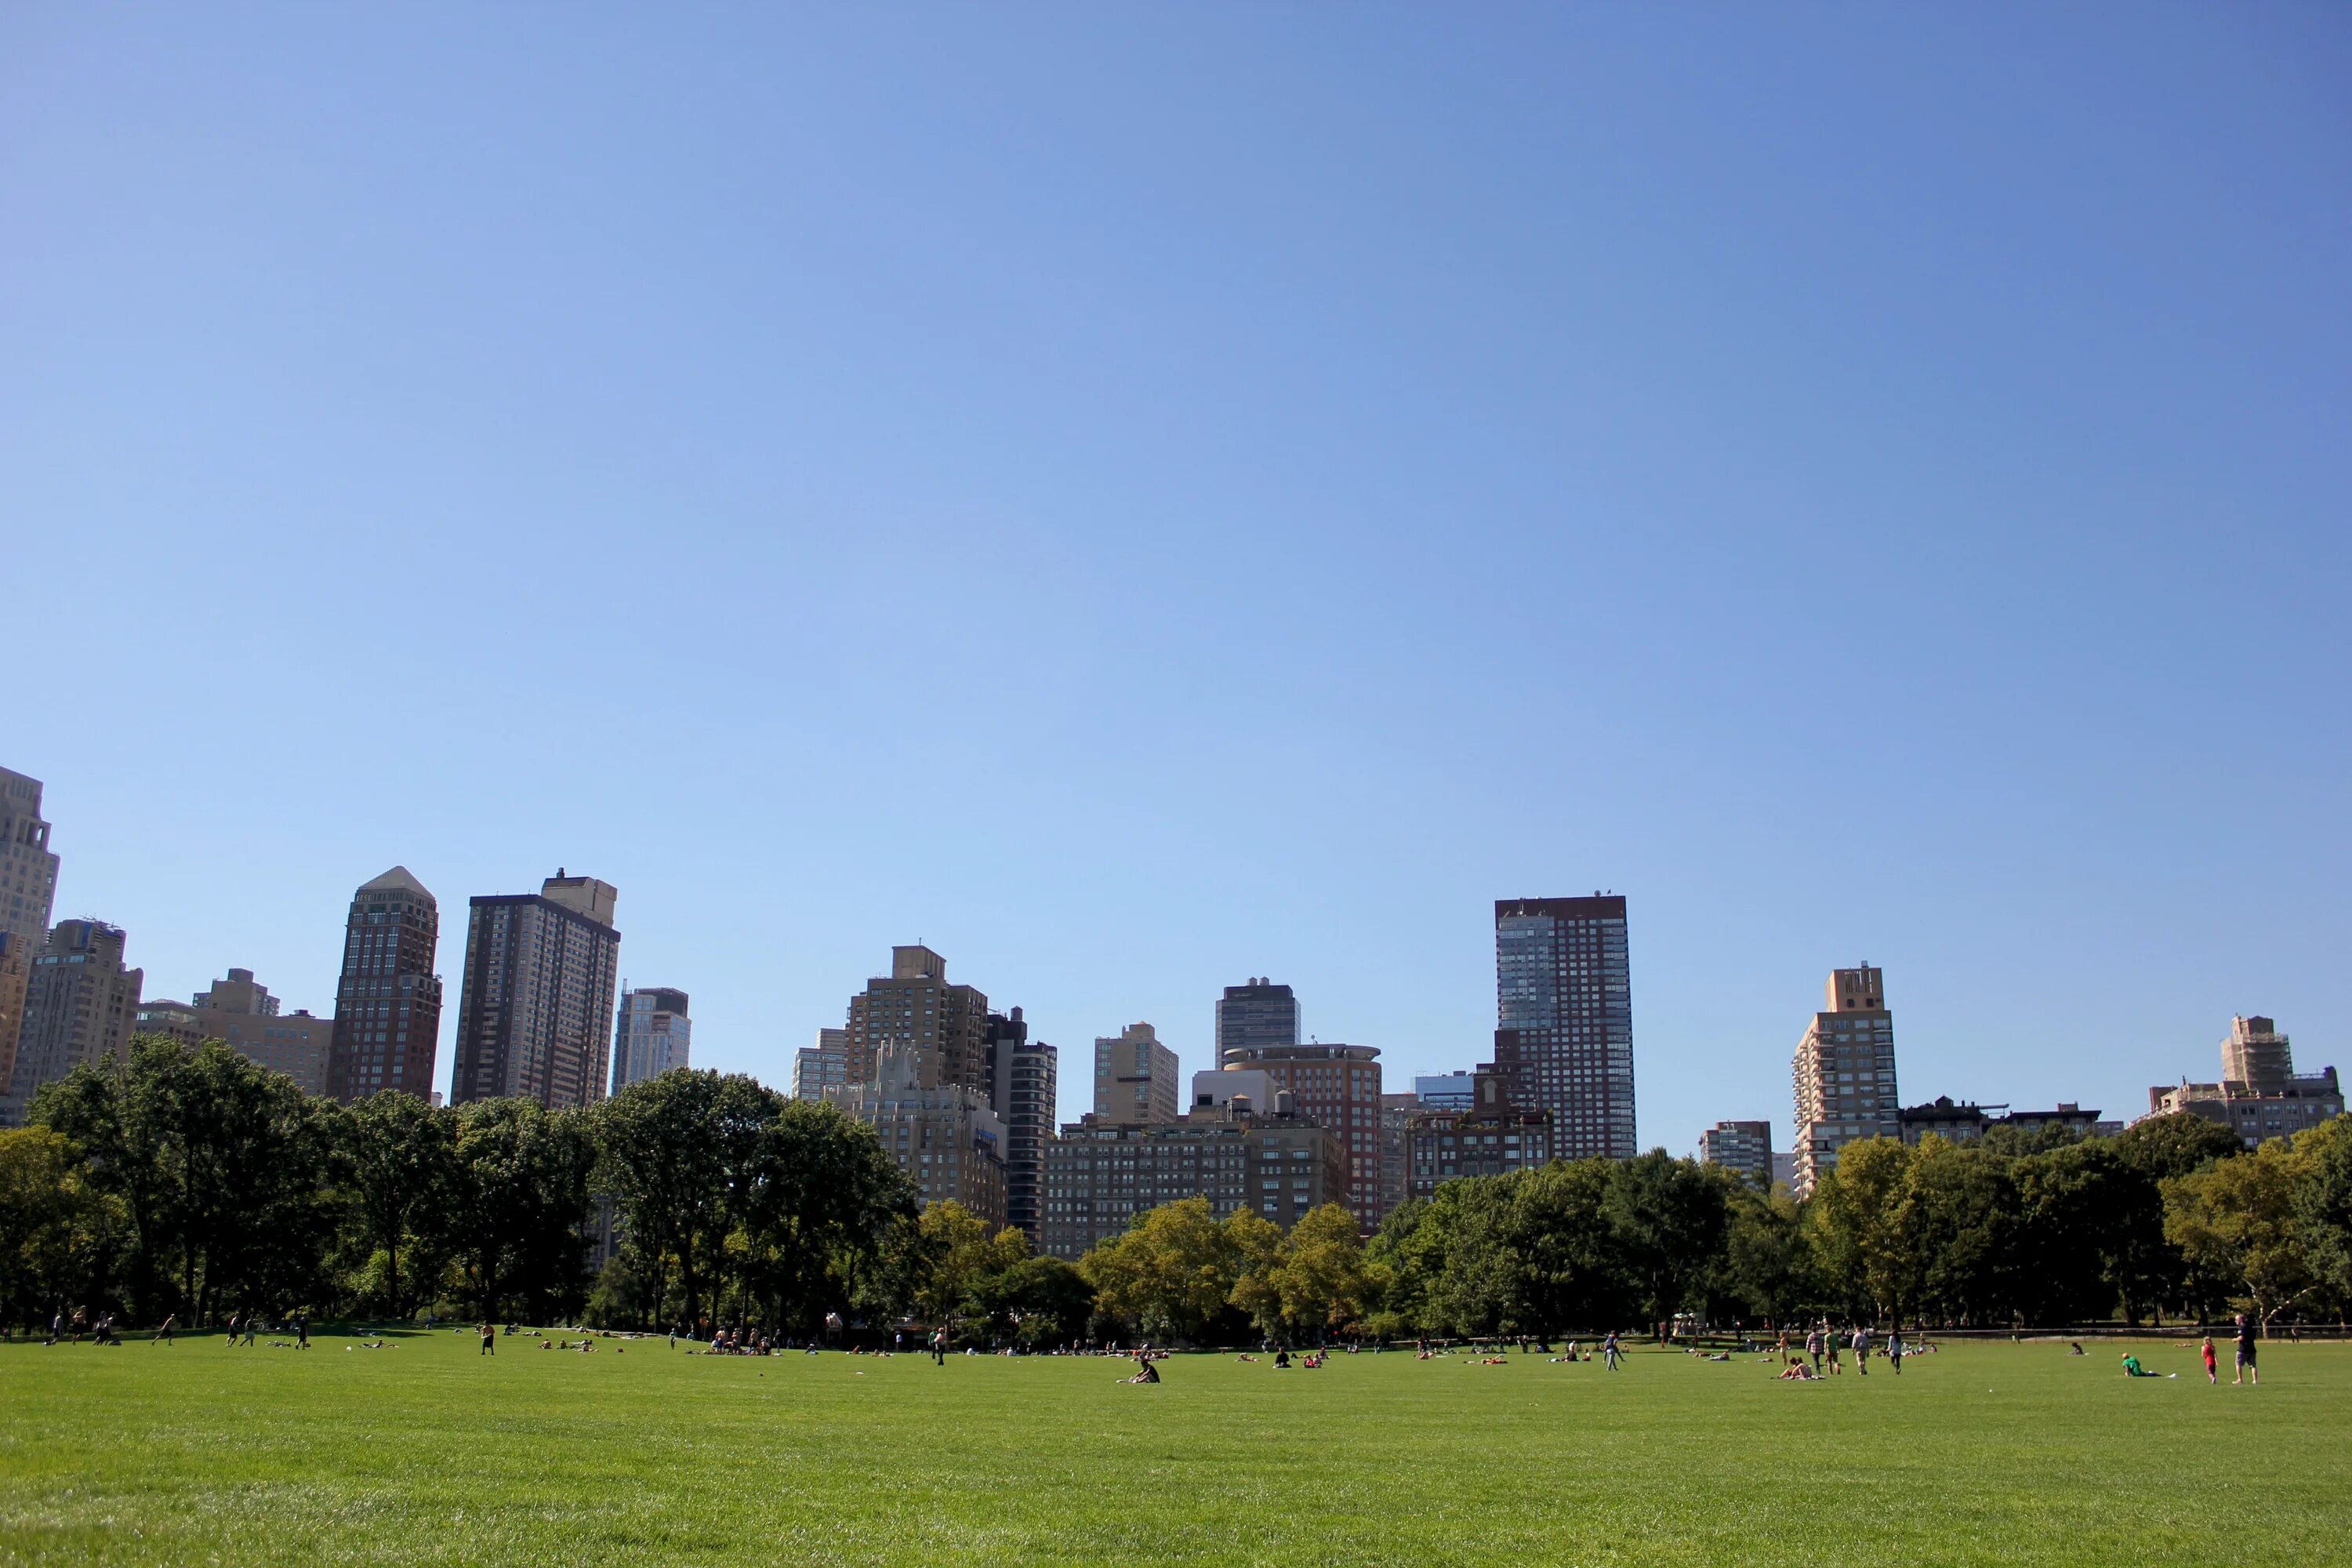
point(2213, 1375)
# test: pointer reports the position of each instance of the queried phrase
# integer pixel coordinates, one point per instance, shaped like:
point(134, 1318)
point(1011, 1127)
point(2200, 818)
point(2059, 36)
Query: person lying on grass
point(2133, 1369)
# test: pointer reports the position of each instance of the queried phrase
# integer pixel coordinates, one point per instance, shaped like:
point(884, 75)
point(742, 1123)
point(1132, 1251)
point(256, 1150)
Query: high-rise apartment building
point(943, 1135)
point(1491, 1138)
point(1135, 1077)
point(822, 1066)
point(2261, 1095)
point(1397, 1111)
point(1256, 1015)
point(1101, 1175)
point(1742, 1146)
point(240, 1011)
point(81, 1002)
point(916, 1007)
point(651, 1036)
point(29, 889)
point(1338, 1087)
point(1844, 1074)
point(1022, 1077)
point(387, 1026)
point(1564, 1018)
point(540, 969)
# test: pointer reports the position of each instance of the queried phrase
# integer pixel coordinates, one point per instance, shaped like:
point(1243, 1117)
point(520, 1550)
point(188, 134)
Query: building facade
point(1492, 1138)
point(28, 890)
point(1101, 1175)
point(1564, 1018)
point(651, 1036)
point(1455, 1090)
point(1024, 1078)
point(942, 1134)
point(541, 969)
point(387, 1029)
point(1742, 1146)
point(1338, 1087)
point(2260, 1095)
point(914, 1007)
point(81, 1002)
point(822, 1066)
point(1397, 1111)
point(1960, 1122)
point(1843, 1073)
point(240, 1011)
point(1256, 1015)
point(1135, 1077)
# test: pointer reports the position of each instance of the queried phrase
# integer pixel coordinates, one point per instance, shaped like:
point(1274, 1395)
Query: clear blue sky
point(1141, 497)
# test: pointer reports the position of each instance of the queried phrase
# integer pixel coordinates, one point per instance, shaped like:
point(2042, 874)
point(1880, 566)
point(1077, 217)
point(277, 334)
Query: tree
point(57, 1233)
point(1669, 1216)
point(399, 1158)
point(1961, 1209)
point(827, 1219)
point(521, 1197)
point(2234, 1221)
point(1861, 1226)
point(677, 1154)
point(1172, 1273)
point(2322, 1204)
point(1766, 1268)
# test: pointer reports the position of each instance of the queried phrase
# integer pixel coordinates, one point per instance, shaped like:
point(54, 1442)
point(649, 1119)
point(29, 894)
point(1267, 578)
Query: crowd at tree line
point(171, 1181)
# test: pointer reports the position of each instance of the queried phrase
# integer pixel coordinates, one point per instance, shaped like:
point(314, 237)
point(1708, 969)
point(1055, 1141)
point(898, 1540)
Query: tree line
point(171, 1181)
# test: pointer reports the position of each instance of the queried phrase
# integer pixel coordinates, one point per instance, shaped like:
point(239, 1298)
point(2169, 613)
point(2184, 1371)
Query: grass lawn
point(425, 1452)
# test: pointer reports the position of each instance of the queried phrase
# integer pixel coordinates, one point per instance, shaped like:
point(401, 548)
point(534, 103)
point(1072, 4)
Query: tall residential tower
point(1844, 1073)
point(1254, 1017)
point(388, 1001)
point(652, 1035)
point(29, 889)
point(1564, 1019)
point(539, 973)
point(80, 1003)
point(1135, 1077)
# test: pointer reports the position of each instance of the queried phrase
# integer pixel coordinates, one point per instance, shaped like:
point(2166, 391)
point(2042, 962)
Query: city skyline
point(926, 967)
point(1815, 451)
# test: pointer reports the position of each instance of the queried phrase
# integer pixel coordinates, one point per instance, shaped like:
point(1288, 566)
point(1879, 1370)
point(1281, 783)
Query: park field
point(425, 1452)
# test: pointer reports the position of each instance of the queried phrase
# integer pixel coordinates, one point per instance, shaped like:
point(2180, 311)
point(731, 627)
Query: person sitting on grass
point(1282, 1360)
point(1798, 1372)
point(2074, 1348)
point(2133, 1369)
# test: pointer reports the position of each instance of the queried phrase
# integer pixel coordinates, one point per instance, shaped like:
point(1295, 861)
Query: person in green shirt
point(2133, 1369)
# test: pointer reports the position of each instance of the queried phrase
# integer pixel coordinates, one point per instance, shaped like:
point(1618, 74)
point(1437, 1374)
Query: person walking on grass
point(252, 1323)
point(2213, 1373)
point(939, 1347)
point(1894, 1347)
point(1862, 1350)
point(2247, 1372)
point(489, 1339)
point(302, 1331)
point(163, 1334)
point(1814, 1348)
point(1609, 1352)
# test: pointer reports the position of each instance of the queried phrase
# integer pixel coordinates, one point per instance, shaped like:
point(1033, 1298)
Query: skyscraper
point(28, 886)
point(1135, 1077)
point(652, 1035)
point(388, 1001)
point(915, 1006)
point(539, 973)
point(1844, 1073)
point(80, 1003)
point(822, 1066)
point(1022, 1077)
point(1564, 1018)
point(1255, 1015)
